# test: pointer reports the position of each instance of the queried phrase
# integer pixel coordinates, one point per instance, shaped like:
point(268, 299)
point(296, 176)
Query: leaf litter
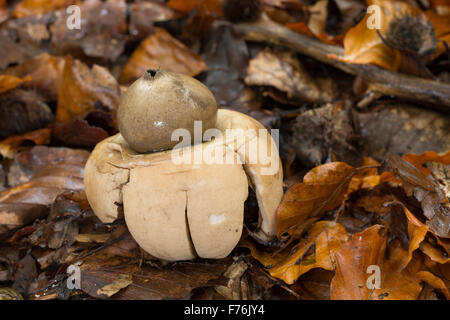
point(366, 176)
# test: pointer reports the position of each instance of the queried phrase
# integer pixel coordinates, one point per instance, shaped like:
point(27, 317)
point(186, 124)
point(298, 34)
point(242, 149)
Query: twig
point(436, 94)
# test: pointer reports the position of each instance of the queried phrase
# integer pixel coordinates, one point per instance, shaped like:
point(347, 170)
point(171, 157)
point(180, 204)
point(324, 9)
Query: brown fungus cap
point(160, 102)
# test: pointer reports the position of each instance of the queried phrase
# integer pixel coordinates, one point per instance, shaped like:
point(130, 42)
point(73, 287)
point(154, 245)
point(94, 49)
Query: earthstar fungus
point(183, 210)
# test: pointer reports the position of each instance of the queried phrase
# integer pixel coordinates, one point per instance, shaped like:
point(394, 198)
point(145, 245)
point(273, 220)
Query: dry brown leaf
point(83, 90)
point(84, 131)
point(10, 146)
point(418, 160)
point(149, 283)
point(399, 257)
point(352, 260)
point(441, 24)
point(102, 33)
point(427, 190)
point(438, 250)
point(368, 178)
point(283, 71)
point(205, 7)
point(144, 14)
point(16, 215)
point(315, 251)
point(302, 28)
point(45, 71)
point(161, 50)
point(32, 7)
point(92, 237)
point(112, 288)
point(4, 11)
point(8, 82)
point(323, 189)
point(38, 175)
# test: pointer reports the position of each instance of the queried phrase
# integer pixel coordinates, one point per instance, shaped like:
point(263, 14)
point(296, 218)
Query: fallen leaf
point(44, 173)
point(10, 146)
point(352, 260)
point(418, 160)
point(302, 28)
point(205, 7)
point(438, 250)
point(427, 190)
point(8, 82)
point(94, 238)
point(84, 131)
point(161, 50)
point(363, 45)
point(22, 39)
point(22, 111)
point(322, 132)
point(4, 11)
point(33, 7)
point(315, 251)
point(17, 215)
point(284, 71)
point(112, 288)
point(441, 24)
point(402, 128)
point(235, 272)
point(102, 32)
point(314, 285)
point(45, 71)
point(323, 189)
point(149, 283)
point(435, 282)
point(83, 90)
point(143, 15)
point(367, 178)
point(226, 55)
point(10, 294)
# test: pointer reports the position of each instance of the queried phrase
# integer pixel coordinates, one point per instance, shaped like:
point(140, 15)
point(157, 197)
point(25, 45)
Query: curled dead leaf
point(161, 50)
point(11, 145)
point(8, 82)
point(323, 189)
point(45, 71)
point(83, 90)
point(284, 71)
point(32, 7)
point(315, 251)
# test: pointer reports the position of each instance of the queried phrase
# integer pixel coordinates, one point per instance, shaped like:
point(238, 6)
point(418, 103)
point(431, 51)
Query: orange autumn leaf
point(352, 280)
point(441, 24)
point(32, 7)
point(11, 145)
point(45, 71)
point(203, 6)
point(352, 260)
point(161, 50)
point(367, 178)
point(416, 233)
point(364, 46)
point(8, 82)
point(315, 251)
point(435, 282)
point(323, 189)
point(4, 11)
point(302, 28)
point(81, 89)
point(418, 160)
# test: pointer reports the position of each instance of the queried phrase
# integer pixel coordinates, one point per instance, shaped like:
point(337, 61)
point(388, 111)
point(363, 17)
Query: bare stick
point(437, 94)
